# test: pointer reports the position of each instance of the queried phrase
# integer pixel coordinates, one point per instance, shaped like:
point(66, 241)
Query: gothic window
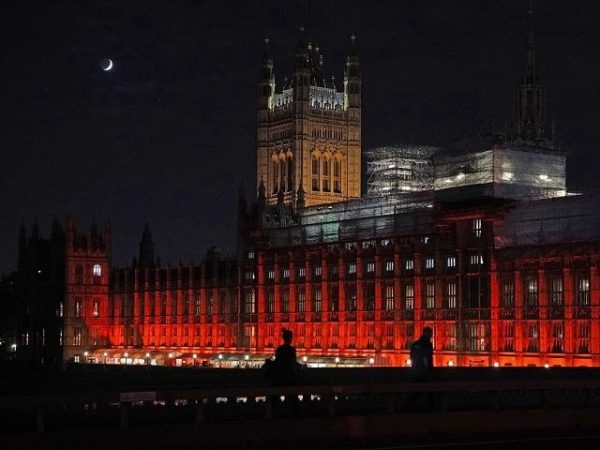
point(316, 300)
point(451, 261)
point(583, 291)
point(197, 306)
point(270, 306)
point(508, 293)
point(290, 183)
point(389, 298)
point(351, 297)
point(370, 297)
point(333, 298)
point(209, 303)
point(508, 337)
point(556, 291)
point(78, 307)
point(285, 300)
point(301, 303)
point(532, 337)
point(326, 175)
point(532, 291)
point(337, 176)
point(250, 302)
point(477, 227)
point(96, 308)
point(97, 270)
point(409, 297)
point(451, 295)
point(583, 337)
point(275, 176)
point(430, 295)
point(283, 175)
point(557, 337)
point(315, 173)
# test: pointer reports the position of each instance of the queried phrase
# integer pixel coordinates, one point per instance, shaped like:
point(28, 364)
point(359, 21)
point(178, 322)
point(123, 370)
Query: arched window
point(283, 177)
point(316, 162)
point(97, 270)
point(326, 174)
point(290, 182)
point(275, 176)
point(337, 175)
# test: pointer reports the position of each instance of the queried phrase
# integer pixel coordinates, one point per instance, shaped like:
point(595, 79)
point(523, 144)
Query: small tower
point(309, 134)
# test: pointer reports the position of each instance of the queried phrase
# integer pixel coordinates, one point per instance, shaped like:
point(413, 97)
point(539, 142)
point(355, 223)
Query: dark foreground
point(167, 408)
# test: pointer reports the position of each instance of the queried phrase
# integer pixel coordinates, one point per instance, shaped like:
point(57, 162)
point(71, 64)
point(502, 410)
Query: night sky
point(168, 135)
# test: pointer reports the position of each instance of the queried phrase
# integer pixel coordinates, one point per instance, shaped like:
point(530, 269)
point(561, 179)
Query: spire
point(146, 254)
point(352, 82)
point(300, 197)
point(531, 124)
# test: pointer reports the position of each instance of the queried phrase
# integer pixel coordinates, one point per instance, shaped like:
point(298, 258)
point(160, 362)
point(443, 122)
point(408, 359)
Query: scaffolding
point(501, 171)
point(399, 169)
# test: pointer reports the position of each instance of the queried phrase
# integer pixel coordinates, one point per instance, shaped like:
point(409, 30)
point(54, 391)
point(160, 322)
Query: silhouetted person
point(283, 370)
point(421, 355)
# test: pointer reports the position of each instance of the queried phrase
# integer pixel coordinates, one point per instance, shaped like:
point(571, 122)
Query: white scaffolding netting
point(399, 169)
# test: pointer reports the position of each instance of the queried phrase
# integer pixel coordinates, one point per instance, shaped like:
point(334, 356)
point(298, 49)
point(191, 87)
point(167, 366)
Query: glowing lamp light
point(304, 358)
point(220, 356)
point(460, 176)
point(450, 363)
point(147, 355)
point(86, 353)
point(105, 354)
point(170, 355)
point(496, 364)
point(337, 359)
point(546, 366)
point(544, 177)
point(14, 346)
point(194, 356)
point(408, 363)
point(246, 357)
point(371, 360)
point(126, 355)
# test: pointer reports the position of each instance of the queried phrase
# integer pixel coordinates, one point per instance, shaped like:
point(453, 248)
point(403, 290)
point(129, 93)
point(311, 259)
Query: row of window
point(326, 174)
point(369, 266)
point(555, 291)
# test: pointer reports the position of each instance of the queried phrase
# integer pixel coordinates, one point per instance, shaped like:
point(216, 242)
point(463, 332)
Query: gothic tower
point(309, 133)
point(530, 124)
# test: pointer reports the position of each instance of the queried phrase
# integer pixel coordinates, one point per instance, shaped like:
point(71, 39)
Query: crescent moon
point(110, 65)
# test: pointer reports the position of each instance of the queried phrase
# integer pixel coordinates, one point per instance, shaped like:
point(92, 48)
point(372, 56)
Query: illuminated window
point(301, 303)
point(250, 302)
point(315, 173)
point(409, 264)
point(334, 299)
point(508, 337)
point(370, 297)
point(583, 291)
point(326, 175)
point(78, 307)
point(271, 274)
point(451, 295)
point(250, 275)
point(96, 308)
point(251, 254)
point(197, 306)
point(61, 309)
point(97, 270)
point(508, 293)
point(370, 267)
point(556, 291)
point(337, 170)
point(76, 336)
point(583, 337)
point(286, 273)
point(318, 271)
point(429, 263)
point(409, 297)
point(430, 296)
point(451, 261)
point(477, 227)
point(557, 337)
point(389, 298)
point(316, 300)
point(532, 291)
point(352, 268)
point(389, 266)
point(351, 297)
point(532, 337)
point(476, 259)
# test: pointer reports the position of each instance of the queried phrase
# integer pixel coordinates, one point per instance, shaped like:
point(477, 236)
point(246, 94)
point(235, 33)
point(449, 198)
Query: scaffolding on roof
point(399, 169)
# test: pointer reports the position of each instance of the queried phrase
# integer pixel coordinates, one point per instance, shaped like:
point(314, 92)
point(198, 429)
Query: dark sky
point(169, 134)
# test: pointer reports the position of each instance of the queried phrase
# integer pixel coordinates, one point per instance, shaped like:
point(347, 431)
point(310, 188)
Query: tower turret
point(146, 253)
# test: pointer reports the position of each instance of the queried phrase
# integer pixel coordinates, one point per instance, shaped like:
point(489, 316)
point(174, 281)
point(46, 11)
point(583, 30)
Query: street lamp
point(220, 357)
point(371, 361)
point(194, 356)
point(147, 358)
point(126, 355)
point(85, 357)
point(337, 360)
point(105, 354)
